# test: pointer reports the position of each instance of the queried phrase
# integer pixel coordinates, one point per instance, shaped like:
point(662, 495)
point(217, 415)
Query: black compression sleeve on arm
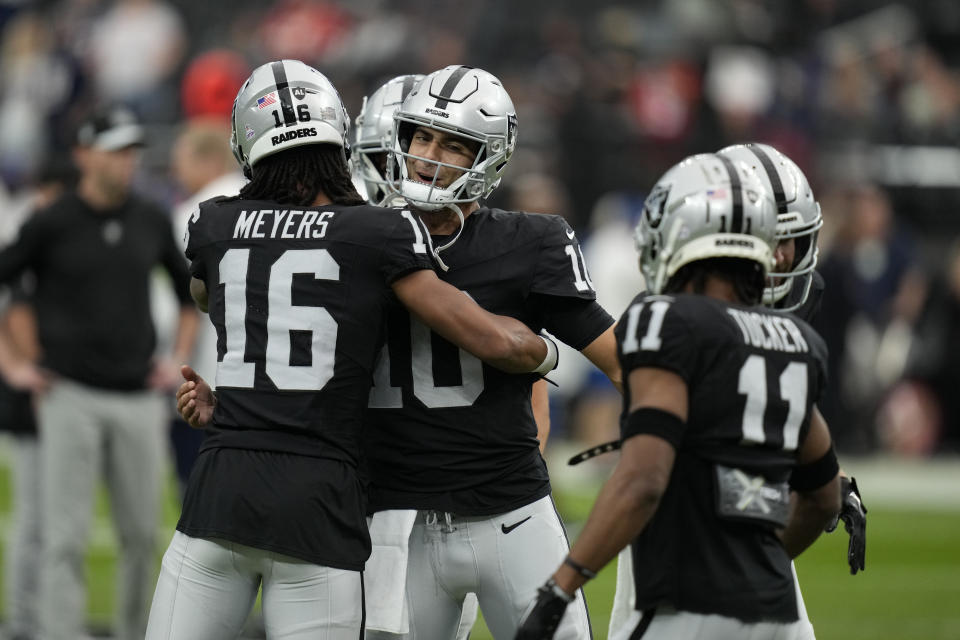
point(654, 422)
point(574, 321)
point(807, 477)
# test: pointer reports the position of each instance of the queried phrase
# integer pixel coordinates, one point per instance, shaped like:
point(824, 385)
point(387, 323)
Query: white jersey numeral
point(651, 340)
point(283, 318)
point(425, 387)
point(581, 281)
point(233, 371)
point(793, 389)
point(419, 246)
point(753, 384)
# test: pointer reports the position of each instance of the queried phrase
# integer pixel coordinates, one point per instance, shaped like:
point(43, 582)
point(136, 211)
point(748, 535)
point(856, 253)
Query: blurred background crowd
point(863, 95)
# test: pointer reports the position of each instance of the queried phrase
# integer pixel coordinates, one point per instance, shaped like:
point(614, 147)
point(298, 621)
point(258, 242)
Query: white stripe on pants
point(84, 430)
point(208, 586)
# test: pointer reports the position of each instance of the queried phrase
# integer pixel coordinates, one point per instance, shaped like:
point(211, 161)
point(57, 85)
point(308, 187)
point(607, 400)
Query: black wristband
point(814, 475)
point(579, 568)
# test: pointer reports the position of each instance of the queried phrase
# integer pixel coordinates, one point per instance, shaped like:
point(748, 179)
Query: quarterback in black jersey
point(718, 425)
point(457, 483)
point(296, 273)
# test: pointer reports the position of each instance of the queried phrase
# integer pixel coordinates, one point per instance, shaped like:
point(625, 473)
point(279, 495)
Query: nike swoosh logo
point(507, 529)
point(570, 234)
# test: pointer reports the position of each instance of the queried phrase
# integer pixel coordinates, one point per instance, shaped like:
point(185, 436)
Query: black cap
point(112, 129)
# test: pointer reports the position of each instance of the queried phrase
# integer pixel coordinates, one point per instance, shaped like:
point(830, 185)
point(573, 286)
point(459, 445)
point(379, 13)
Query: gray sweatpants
point(84, 431)
point(24, 552)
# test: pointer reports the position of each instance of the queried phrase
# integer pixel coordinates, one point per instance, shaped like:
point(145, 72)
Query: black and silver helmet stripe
point(736, 192)
point(778, 195)
point(446, 93)
point(283, 91)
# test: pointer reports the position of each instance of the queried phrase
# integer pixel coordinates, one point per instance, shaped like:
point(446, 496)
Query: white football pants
point(670, 624)
point(207, 588)
point(622, 619)
point(503, 559)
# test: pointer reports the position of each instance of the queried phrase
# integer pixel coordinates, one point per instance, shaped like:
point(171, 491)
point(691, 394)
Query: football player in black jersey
point(456, 473)
point(718, 425)
point(372, 139)
point(796, 286)
point(296, 273)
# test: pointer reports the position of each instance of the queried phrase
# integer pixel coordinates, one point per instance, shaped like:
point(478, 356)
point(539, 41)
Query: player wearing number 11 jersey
point(718, 425)
point(296, 273)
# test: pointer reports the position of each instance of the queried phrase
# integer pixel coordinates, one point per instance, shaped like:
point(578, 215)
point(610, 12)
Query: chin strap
point(436, 250)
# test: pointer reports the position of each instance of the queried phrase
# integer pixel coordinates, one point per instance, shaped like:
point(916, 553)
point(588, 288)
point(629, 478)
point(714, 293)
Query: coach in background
point(718, 426)
point(21, 379)
point(92, 252)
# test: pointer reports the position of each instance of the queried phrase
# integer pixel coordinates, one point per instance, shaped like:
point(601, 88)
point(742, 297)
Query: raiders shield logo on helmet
point(654, 204)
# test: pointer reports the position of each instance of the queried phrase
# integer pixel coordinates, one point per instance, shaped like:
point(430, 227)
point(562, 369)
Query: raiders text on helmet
point(798, 217)
point(707, 206)
point(466, 102)
point(285, 104)
point(373, 136)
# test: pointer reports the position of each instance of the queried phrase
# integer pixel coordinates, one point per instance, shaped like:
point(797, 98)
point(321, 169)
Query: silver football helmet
point(466, 102)
point(373, 136)
point(285, 104)
point(798, 217)
point(707, 206)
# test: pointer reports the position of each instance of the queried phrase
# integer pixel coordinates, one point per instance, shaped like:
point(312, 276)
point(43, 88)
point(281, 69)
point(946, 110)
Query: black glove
point(542, 620)
point(854, 515)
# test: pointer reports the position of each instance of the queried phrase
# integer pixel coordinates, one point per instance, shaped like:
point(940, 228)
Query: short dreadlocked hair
point(295, 176)
point(747, 277)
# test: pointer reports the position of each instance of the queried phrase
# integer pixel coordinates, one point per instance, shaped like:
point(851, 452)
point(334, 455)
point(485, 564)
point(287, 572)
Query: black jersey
point(447, 432)
point(753, 375)
point(297, 298)
point(92, 295)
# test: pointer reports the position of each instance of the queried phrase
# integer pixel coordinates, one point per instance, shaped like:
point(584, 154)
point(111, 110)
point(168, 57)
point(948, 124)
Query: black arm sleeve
point(574, 321)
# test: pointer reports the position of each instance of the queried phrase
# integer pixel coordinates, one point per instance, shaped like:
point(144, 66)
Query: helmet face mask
point(798, 218)
point(704, 207)
point(470, 104)
point(373, 136)
point(285, 104)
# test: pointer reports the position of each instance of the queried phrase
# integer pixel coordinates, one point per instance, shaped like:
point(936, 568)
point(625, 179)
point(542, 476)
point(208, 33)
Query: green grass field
point(909, 591)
